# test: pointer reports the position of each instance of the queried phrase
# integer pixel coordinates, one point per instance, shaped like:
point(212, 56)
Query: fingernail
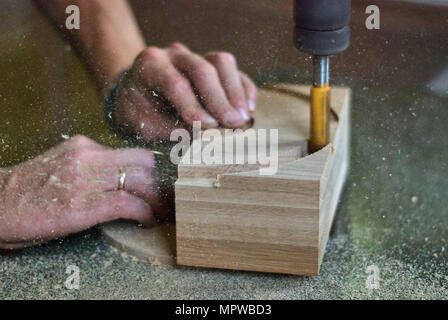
point(251, 104)
point(244, 114)
point(209, 121)
point(232, 117)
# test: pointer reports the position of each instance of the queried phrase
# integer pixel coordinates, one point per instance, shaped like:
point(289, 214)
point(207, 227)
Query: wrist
point(111, 98)
point(115, 69)
point(109, 82)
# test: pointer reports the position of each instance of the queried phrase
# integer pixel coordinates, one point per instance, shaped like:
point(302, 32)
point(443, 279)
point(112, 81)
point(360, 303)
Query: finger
point(92, 163)
point(96, 165)
point(118, 205)
point(158, 72)
point(97, 208)
point(124, 157)
point(205, 79)
point(139, 181)
point(180, 46)
point(251, 91)
point(141, 178)
point(229, 75)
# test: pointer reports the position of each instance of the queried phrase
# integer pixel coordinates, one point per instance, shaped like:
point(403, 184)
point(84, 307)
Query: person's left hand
point(72, 187)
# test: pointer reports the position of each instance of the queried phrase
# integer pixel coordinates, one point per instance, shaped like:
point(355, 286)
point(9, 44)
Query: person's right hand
point(170, 88)
point(73, 187)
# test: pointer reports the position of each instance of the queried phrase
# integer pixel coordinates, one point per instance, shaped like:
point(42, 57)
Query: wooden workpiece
point(232, 217)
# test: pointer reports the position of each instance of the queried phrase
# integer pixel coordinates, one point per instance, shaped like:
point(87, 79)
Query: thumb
point(121, 205)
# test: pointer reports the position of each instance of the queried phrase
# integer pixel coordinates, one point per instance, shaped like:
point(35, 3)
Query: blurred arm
point(109, 38)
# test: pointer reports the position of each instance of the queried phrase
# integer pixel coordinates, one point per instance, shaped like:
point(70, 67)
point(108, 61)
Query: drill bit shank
point(320, 104)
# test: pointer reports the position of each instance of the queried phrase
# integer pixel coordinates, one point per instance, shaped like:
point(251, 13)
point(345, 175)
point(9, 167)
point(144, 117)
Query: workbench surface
point(393, 212)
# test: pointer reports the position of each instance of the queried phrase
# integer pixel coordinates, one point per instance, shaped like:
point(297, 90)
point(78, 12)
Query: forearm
point(108, 39)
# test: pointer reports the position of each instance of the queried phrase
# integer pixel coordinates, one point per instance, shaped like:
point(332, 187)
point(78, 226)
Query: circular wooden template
point(156, 245)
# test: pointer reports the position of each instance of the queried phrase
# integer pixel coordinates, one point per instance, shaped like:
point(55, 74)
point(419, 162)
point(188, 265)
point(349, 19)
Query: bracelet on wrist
point(110, 102)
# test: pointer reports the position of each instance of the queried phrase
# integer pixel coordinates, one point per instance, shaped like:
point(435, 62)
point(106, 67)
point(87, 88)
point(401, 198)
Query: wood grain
point(231, 217)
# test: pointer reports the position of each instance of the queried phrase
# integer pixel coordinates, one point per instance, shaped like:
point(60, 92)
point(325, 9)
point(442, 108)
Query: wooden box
point(232, 217)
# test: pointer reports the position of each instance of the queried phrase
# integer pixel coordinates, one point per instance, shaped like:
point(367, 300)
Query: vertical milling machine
point(321, 29)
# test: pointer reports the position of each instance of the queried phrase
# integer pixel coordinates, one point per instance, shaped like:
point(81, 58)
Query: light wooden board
point(230, 216)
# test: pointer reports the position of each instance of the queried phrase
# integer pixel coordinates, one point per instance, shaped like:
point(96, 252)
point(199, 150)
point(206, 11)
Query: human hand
point(167, 85)
point(73, 187)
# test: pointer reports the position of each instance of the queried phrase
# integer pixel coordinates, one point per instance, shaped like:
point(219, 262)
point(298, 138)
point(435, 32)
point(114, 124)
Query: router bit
point(321, 29)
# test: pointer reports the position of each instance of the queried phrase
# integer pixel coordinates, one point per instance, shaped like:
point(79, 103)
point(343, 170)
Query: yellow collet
point(320, 118)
